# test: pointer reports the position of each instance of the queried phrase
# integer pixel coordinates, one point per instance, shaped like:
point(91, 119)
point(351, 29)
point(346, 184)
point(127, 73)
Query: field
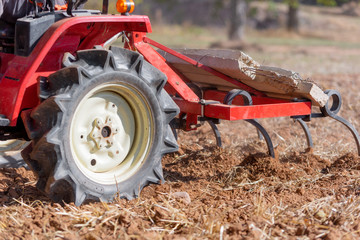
point(236, 192)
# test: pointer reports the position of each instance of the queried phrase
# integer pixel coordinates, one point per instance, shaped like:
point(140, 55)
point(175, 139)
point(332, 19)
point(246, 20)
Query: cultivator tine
point(262, 133)
point(265, 135)
point(350, 127)
point(260, 136)
point(216, 132)
point(332, 111)
point(305, 127)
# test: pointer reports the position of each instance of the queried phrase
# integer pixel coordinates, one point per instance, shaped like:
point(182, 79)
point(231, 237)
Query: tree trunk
point(237, 19)
point(293, 18)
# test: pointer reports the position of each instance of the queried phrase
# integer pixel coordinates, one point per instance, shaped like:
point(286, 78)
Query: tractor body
point(40, 54)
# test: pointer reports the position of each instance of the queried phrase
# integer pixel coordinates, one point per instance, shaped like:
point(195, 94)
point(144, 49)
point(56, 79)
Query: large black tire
point(102, 127)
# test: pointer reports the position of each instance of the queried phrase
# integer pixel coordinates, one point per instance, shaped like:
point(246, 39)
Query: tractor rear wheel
point(102, 128)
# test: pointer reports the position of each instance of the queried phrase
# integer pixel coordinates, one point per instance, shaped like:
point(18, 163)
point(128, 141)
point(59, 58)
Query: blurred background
point(307, 36)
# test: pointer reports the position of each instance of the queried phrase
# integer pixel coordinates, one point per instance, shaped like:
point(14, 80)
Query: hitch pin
point(204, 103)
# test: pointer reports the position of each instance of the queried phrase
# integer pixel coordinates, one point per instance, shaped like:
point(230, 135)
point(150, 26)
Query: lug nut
point(93, 162)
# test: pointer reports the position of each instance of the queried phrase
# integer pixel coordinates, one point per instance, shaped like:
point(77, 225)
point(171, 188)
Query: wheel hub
point(103, 133)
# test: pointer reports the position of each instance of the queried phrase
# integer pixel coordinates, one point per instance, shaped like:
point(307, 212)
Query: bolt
point(93, 162)
point(82, 136)
point(109, 120)
point(113, 105)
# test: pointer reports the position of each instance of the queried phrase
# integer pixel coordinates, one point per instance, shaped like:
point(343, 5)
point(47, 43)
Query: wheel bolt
point(93, 162)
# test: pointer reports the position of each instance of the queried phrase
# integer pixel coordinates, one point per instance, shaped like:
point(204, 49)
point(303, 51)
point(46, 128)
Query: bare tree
point(238, 13)
point(293, 15)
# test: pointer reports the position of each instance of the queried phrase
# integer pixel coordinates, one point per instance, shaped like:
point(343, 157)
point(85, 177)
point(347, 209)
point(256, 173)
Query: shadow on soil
point(17, 185)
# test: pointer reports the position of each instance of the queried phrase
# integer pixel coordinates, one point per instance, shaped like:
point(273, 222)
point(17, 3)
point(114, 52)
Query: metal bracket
point(204, 103)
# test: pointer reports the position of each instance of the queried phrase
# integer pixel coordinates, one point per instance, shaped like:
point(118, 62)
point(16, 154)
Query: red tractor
point(100, 118)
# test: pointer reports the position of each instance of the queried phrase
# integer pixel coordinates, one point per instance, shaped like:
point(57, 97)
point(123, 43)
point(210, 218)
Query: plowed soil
point(209, 193)
point(234, 192)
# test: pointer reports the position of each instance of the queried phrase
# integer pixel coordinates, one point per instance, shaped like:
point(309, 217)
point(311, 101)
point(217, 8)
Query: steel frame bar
point(177, 84)
point(233, 113)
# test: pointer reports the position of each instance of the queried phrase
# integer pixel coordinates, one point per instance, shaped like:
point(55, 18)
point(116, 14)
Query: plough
point(100, 118)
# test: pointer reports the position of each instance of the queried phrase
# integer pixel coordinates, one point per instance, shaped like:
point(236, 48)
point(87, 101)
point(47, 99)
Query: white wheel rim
point(111, 132)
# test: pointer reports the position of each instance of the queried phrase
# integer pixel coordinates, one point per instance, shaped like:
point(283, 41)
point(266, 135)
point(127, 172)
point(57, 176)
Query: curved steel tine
point(334, 109)
point(305, 127)
point(350, 127)
point(265, 134)
point(216, 132)
point(262, 133)
point(260, 136)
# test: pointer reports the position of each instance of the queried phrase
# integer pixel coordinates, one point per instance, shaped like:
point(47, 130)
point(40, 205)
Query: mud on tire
point(102, 128)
